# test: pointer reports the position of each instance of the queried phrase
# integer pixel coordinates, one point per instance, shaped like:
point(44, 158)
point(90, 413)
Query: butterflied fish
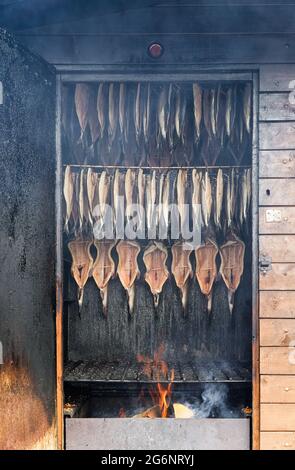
point(218, 198)
point(154, 258)
point(247, 99)
point(68, 191)
point(206, 269)
point(197, 93)
point(206, 198)
point(82, 263)
point(128, 270)
point(181, 268)
point(232, 265)
point(103, 269)
point(82, 102)
point(138, 113)
point(113, 113)
point(101, 108)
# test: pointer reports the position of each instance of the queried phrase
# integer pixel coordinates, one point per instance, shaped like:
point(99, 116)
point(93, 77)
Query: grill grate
point(190, 372)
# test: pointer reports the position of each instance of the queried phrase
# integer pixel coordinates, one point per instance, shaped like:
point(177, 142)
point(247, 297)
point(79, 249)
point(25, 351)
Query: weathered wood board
point(276, 77)
point(276, 107)
point(277, 389)
point(281, 248)
point(276, 304)
point(277, 192)
point(277, 332)
point(277, 163)
point(276, 135)
point(282, 221)
point(277, 360)
point(281, 277)
point(277, 441)
point(277, 417)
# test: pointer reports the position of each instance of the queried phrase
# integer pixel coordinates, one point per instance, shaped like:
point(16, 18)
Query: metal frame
point(72, 74)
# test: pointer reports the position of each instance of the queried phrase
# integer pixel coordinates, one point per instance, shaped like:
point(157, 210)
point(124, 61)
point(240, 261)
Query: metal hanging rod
point(121, 167)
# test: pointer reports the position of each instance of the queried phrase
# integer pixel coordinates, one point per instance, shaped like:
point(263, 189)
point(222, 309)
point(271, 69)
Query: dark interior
point(101, 351)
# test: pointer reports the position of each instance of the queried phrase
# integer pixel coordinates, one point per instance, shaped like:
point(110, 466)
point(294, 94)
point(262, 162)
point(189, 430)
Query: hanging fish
point(213, 111)
point(206, 199)
point(230, 109)
point(232, 265)
point(165, 203)
point(113, 114)
point(91, 181)
point(247, 101)
point(177, 112)
point(82, 263)
point(82, 102)
point(138, 113)
point(75, 210)
point(218, 198)
point(68, 191)
point(206, 269)
point(103, 268)
point(147, 114)
point(81, 200)
point(162, 113)
point(230, 198)
point(103, 194)
point(196, 195)
point(141, 197)
point(181, 198)
point(181, 269)
point(154, 258)
point(101, 108)
point(197, 94)
point(122, 113)
point(207, 112)
point(128, 270)
point(129, 192)
point(92, 120)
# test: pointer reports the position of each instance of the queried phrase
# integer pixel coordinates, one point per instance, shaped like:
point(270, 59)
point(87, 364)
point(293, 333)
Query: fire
point(158, 370)
point(122, 413)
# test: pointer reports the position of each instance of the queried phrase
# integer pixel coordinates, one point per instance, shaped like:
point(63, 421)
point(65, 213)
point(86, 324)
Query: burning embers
point(156, 369)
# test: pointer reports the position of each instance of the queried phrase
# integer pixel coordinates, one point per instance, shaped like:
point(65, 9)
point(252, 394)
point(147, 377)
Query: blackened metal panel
point(27, 159)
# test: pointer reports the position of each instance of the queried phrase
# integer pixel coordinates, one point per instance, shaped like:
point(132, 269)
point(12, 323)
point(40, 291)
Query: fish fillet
point(128, 270)
point(103, 268)
point(232, 265)
point(154, 258)
point(182, 269)
point(82, 263)
point(206, 269)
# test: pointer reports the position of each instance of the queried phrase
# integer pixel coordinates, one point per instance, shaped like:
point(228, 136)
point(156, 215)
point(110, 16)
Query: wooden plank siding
point(277, 241)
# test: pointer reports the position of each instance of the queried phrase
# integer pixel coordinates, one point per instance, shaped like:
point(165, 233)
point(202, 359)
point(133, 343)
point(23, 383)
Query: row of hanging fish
point(219, 200)
point(161, 124)
point(103, 268)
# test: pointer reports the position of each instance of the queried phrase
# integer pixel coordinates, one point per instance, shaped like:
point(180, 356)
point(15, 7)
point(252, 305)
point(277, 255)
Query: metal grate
point(191, 372)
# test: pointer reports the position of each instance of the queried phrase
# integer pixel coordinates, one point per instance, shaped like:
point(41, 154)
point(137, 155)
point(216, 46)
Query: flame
point(158, 370)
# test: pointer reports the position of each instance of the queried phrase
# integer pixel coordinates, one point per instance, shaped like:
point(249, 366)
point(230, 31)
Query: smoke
point(214, 403)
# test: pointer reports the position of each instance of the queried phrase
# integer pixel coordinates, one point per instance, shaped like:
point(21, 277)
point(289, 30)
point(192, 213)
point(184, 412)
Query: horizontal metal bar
point(89, 76)
point(122, 167)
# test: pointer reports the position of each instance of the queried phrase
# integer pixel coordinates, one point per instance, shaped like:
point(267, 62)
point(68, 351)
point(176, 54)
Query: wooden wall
point(277, 240)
